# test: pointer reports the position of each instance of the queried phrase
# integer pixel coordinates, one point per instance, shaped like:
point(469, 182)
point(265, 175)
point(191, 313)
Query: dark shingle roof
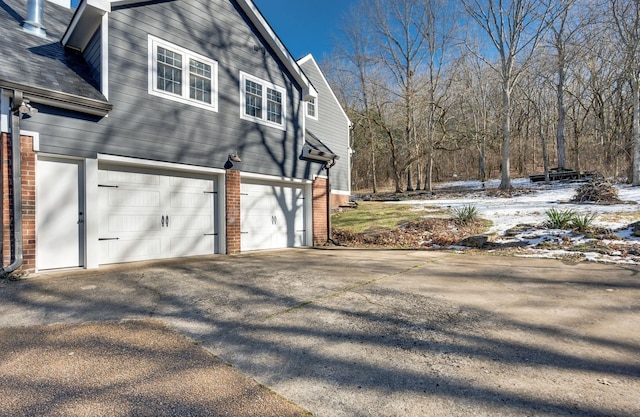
point(32, 61)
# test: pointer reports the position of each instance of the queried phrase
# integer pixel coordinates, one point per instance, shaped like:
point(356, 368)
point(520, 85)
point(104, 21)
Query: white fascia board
point(104, 5)
point(340, 192)
point(5, 112)
point(313, 61)
point(86, 12)
point(267, 32)
point(104, 54)
point(273, 178)
point(123, 160)
point(35, 136)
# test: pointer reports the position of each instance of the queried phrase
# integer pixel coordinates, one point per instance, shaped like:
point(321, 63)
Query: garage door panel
point(128, 178)
point(203, 223)
point(154, 216)
point(189, 245)
point(133, 198)
point(272, 216)
point(133, 223)
point(199, 200)
point(130, 250)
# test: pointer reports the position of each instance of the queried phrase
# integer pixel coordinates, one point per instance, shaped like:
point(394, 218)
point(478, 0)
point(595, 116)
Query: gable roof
point(89, 14)
point(310, 60)
point(42, 68)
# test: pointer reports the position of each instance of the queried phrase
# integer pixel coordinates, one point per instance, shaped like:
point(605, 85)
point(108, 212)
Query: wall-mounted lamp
point(233, 157)
point(26, 108)
point(22, 106)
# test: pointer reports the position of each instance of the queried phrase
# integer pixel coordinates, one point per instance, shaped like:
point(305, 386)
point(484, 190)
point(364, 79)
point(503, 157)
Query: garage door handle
point(167, 221)
point(162, 221)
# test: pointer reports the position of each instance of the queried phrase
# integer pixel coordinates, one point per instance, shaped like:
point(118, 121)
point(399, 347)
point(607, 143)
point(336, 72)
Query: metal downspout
point(16, 184)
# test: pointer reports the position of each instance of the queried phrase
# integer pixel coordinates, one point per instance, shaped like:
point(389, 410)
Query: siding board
point(331, 127)
point(151, 127)
point(92, 54)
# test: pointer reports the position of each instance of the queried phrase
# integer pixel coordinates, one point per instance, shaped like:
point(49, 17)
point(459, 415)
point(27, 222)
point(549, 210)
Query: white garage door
point(149, 215)
point(272, 216)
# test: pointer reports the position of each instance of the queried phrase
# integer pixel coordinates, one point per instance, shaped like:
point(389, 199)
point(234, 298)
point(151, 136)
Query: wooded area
point(477, 89)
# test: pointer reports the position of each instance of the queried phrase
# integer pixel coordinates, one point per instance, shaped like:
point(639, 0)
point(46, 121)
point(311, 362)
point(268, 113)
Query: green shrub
point(582, 223)
point(466, 214)
point(559, 219)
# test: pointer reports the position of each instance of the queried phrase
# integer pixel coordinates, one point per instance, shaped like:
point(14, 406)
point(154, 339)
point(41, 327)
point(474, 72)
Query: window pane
point(169, 71)
point(274, 106)
point(311, 108)
point(199, 81)
point(253, 99)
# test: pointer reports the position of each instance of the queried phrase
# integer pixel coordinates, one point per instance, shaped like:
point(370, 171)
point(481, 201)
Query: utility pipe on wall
point(16, 186)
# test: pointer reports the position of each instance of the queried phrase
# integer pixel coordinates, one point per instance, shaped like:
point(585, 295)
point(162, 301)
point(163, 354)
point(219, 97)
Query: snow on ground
point(529, 207)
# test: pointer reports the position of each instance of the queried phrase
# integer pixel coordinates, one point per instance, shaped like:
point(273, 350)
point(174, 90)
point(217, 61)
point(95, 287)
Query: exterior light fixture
point(233, 157)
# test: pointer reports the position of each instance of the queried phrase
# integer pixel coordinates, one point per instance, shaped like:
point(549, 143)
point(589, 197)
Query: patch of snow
point(529, 208)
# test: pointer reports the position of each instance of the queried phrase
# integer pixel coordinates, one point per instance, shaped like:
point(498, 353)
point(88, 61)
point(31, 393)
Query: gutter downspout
point(16, 184)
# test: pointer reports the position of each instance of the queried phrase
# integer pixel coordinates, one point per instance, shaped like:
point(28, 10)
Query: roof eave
point(60, 100)
point(308, 91)
point(84, 23)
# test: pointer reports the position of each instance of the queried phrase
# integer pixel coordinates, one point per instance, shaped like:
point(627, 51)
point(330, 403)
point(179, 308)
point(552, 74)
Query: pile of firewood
point(597, 191)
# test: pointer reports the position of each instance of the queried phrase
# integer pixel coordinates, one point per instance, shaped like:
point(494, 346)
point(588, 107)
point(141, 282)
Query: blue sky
point(305, 26)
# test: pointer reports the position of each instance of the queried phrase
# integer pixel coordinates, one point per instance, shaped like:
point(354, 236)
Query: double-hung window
point(312, 108)
point(181, 75)
point(262, 101)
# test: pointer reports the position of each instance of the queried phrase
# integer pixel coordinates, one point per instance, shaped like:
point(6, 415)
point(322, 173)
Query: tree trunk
point(374, 179)
point(505, 182)
point(545, 157)
point(562, 114)
point(636, 130)
point(428, 186)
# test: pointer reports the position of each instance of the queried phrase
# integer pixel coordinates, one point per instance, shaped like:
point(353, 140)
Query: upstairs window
point(312, 108)
point(262, 101)
point(181, 75)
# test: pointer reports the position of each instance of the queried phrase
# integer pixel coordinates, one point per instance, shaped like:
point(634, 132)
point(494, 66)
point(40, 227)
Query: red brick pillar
point(5, 175)
point(28, 171)
point(232, 208)
point(28, 165)
point(320, 227)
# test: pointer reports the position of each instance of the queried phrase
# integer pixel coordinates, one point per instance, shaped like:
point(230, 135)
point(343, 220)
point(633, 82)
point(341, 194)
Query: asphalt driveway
point(375, 333)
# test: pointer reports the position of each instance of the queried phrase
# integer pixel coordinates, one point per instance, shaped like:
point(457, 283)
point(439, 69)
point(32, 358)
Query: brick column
point(232, 208)
point(28, 165)
point(28, 171)
point(5, 175)
point(320, 227)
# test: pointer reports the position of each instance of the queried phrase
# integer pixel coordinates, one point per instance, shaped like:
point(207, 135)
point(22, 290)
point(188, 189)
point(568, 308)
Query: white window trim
point(306, 110)
point(184, 98)
point(265, 84)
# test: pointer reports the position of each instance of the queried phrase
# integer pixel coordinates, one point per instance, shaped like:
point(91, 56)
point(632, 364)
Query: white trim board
point(123, 160)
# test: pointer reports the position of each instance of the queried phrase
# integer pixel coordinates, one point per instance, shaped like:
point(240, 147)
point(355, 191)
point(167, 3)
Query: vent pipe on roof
point(34, 23)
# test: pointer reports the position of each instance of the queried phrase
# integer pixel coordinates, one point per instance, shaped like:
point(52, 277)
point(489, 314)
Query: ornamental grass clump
point(583, 223)
point(559, 219)
point(466, 214)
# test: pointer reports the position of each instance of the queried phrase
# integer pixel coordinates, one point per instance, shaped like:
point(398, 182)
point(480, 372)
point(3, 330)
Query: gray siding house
point(138, 130)
point(327, 120)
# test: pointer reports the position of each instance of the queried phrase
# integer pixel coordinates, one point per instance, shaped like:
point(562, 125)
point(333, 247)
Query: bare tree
point(515, 28)
point(401, 43)
point(626, 18)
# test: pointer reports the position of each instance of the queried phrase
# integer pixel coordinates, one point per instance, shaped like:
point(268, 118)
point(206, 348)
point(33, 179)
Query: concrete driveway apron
point(373, 333)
